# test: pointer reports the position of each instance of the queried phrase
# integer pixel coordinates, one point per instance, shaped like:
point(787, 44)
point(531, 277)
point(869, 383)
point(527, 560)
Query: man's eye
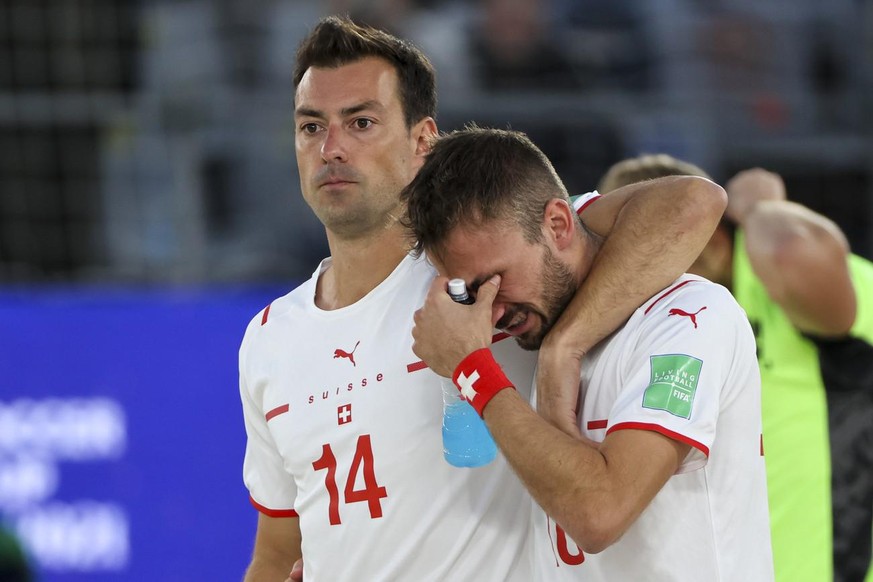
point(363, 123)
point(309, 128)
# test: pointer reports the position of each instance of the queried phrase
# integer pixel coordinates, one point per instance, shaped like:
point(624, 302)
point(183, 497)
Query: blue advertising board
point(121, 432)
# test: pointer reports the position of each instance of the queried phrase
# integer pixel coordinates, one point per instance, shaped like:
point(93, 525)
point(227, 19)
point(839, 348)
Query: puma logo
point(691, 316)
point(340, 353)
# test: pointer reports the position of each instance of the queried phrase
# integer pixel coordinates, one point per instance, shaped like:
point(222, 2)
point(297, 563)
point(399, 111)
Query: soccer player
point(810, 302)
point(344, 457)
point(666, 481)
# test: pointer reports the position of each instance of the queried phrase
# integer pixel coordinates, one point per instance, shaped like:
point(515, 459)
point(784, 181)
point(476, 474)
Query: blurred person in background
point(344, 458)
point(14, 566)
point(664, 478)
point(810, 303)
point(513, 48)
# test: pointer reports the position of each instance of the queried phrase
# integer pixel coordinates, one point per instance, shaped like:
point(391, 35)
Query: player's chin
point(533, 338)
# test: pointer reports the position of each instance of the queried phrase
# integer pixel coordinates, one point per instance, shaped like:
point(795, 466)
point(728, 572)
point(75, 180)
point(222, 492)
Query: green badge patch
point(673, 384)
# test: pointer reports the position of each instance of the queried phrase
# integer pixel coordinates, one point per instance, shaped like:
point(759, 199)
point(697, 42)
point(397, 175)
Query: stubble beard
point(559, 288)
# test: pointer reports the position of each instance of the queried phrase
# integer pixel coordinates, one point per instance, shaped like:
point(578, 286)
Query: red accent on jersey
point(416, 367)
point(596, 424)
point(582, 208)
point(273, 512)
point(664, 431)
point(277, 411)
point(419, 365)
point(266, 315)
point(762, 444)
point(667, 292)
point(340, 353)
point(683, 313)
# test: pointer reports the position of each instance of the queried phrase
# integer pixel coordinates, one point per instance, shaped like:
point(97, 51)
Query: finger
point(439, 286)
point(487, 292)
point(496, 313)
point(296, 574)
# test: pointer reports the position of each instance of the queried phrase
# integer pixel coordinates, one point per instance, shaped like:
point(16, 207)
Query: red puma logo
point(339, 353)
point(692, 316)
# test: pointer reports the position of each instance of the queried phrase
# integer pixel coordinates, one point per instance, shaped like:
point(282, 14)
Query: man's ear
point(425, 132)
point(559, 222)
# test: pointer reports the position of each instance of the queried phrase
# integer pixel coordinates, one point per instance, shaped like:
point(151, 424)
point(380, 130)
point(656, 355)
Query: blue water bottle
point(466, 440)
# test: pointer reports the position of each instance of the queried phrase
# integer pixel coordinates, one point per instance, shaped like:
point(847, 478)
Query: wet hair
point(477, 175)
point(336, 41)
point(646, 167)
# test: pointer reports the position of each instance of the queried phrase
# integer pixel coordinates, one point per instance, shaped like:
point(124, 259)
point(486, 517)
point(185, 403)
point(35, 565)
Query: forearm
point(278, 544)
point(657, 235)
point(566, 476)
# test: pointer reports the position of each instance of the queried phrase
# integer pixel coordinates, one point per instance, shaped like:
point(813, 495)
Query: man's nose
point(334, 147)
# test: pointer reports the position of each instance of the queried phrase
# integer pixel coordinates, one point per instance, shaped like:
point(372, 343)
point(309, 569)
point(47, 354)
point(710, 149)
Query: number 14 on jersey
point(362, 462)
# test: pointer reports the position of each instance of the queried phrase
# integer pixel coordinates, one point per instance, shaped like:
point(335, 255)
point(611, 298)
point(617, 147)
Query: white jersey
point(684, 365)
point(344, 430)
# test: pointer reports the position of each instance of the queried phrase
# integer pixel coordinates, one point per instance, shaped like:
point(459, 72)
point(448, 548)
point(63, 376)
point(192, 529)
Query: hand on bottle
point(748, 188)
point(446, 332)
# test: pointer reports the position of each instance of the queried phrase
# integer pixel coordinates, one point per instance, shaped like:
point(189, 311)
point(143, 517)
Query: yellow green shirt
point(794, 412)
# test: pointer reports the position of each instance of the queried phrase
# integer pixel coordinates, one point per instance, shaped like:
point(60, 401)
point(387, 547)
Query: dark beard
point(559, 287)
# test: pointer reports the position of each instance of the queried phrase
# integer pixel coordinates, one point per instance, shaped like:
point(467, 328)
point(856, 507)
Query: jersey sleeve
point(271, 489)
point(680, 371)
point(582, 201)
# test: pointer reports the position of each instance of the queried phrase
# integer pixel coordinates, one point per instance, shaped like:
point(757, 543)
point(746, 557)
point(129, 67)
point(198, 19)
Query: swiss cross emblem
point(466, 384)
point(344, 414)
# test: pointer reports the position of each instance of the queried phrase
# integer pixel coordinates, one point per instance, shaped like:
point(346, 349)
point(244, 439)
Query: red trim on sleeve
point(597, 424)
point(266, 314)
point(273, 512)
point(582, 208)
point(762, 445)
point(649, 308)
point(277, 411)
point(419, 365)
point(664, 431)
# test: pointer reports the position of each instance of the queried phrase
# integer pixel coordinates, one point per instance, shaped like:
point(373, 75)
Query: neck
point(358, 266)
point(589, 245)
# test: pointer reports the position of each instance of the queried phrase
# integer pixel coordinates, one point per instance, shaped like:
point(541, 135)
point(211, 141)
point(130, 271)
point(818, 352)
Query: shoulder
point(694, 305)
point(688, 291)
point(276, 311)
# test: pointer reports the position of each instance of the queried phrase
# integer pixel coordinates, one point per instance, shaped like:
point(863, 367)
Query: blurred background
point(149, 207)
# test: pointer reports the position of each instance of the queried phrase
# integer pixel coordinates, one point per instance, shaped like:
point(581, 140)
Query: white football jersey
point(344, 429)
point(684, 366)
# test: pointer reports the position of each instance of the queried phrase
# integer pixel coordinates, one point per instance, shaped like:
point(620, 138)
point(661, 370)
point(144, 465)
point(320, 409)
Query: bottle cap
point(457, 287)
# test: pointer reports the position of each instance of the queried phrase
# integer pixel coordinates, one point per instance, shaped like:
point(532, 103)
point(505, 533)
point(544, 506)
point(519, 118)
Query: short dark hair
point(474, 175)
point(336, 41)
point(646, 167)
